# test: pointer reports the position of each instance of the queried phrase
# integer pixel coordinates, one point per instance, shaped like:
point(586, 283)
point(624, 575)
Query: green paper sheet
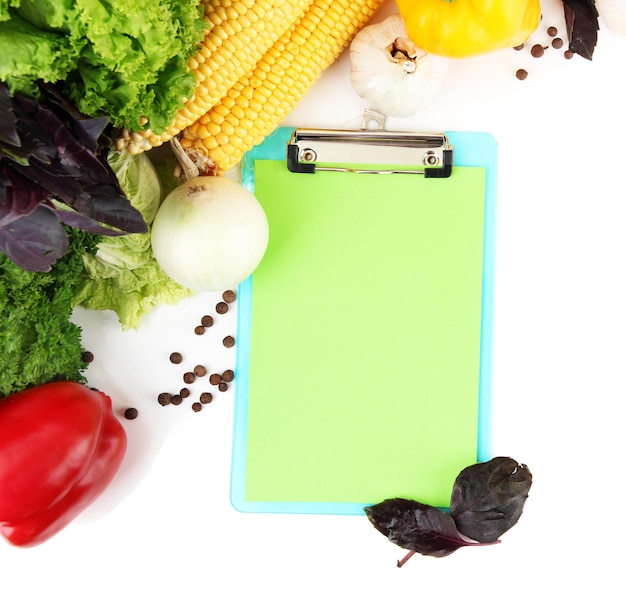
point(364, 339)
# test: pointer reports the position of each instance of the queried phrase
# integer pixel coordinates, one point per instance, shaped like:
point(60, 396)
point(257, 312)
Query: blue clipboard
point(273, 456)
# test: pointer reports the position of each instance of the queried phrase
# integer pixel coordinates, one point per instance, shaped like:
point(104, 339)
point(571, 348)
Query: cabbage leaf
point(123, 274)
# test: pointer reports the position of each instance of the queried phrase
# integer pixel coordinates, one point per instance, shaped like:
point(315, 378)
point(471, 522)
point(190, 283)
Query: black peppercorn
point(521, 74)
point(228, 341)
point(228, 296)
point(131, 413)
point(206, 397)
point(228, 376)
point(537, 50)
point(165, 398)
point(176, 357)
point(221, 307)
point(196, 406)
point(189, 377)
point(206, 321)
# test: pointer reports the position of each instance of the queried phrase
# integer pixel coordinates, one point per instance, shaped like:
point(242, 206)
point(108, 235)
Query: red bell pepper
point(60, 447)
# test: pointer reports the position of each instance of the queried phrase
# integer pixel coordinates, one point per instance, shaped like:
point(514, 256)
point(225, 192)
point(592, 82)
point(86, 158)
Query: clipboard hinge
point(379, 151)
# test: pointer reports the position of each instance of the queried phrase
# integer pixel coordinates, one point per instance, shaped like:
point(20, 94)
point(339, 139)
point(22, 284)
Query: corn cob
point(260, 100)
point(239, 33)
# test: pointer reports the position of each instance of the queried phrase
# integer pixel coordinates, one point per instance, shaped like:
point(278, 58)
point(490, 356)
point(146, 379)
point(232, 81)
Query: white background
point(166, 523)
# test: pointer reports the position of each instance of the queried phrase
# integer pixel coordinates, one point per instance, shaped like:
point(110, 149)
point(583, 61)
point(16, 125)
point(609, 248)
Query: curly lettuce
point(126, 59)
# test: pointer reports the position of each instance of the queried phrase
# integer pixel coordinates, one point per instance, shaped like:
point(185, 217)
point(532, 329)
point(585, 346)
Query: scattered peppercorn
point(552, 31)
point(199, 370)
point(537, 50)
point(223, 386)
point(206, 321)
point(221, 307)
point(176, 400)
point(189, 377)
point(131, 413)
point(568, 54)
point(198, 330)
point(87, 356)
point(206, 397)
point(519, 47)
point(196, 406)
point(176, 357)
point(184, 392)
point(228, 376)
point(228, 341)
point(557, 43)
point(228, 296)
point(521, 74)
point(164, 398)
point(215, 379)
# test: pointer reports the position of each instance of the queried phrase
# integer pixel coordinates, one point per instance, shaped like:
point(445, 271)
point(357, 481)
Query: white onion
point(209, 234)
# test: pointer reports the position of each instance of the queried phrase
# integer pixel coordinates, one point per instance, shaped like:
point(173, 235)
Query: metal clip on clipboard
point(310, 150)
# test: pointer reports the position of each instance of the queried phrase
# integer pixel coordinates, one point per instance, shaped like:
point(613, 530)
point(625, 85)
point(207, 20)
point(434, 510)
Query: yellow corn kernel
point(280, 79)
point(239, 34)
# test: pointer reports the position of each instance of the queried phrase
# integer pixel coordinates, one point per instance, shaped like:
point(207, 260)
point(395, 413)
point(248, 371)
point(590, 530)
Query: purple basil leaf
point(581, 22)
point(77, 220)
point(64, 163)
point(417, 527)
point(42, 240)
point(488, 498)
point(86, 130)
point(18, 196)
point(8, 121)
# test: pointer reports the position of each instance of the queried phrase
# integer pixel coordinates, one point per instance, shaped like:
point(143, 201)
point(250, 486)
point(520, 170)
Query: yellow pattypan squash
point(462, 28)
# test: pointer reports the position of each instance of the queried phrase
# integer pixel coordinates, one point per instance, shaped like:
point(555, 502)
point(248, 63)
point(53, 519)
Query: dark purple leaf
point(36, 241)
point(581, 22)
point(488, 498)
point(59, 155)
point(417, 527)
point(18, 196)
point(77, 220)
point(8, 132)
point(88, 131)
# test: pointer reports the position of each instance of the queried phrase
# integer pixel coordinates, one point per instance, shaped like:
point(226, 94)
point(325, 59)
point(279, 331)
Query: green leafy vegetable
point(487, 500)
point(126, 59)
point(123, 274)
point(38, 342)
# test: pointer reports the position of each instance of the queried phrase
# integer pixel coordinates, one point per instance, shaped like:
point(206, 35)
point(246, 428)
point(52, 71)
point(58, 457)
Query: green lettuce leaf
point(126, 59)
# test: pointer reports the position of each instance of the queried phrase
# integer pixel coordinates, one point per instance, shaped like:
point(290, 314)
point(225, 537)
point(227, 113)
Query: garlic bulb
point(613, 13)
point(391, 72)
